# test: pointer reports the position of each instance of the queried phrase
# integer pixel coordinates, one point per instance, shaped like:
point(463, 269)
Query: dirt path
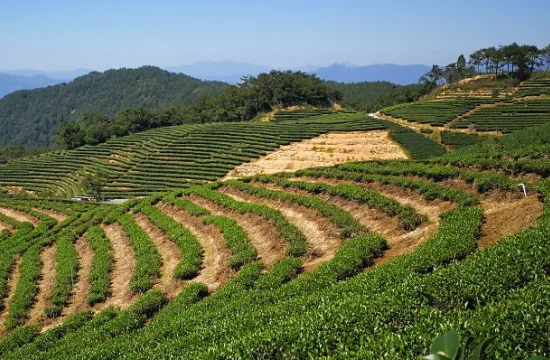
point(45, 284)
point(170, 256)
point(59, 217)
point(325, 150)
point(215, 270)
point(263, 235)
point(79, 300)
point(12, 286)
point(449, 124)
point(123, 267)
point(417, 126)
point(20, 216)
point(321, 233)
point(505, 215)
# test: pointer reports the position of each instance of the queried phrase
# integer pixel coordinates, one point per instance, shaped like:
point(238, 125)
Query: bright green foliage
point(509, 116)
point(296, 240)
point(236, 239)
point(406, 214)
point(66, 274)
point(349, 225)
point(460, 140)
point(435, 113)
point(100, 286)
point(169, 158)
point(416, 145)
point(185, 204)
point(29, 270)
point(190, 247)
point(147, 256)
point(19, 337)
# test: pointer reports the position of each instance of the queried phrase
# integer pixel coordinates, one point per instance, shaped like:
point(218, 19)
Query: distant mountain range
point(397, 74)
point(64, 75)
point(232, 72)
point(10, 83)
point(226, 71)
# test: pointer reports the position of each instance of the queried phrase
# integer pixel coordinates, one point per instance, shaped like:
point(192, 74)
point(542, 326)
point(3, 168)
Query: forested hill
point(31, 117)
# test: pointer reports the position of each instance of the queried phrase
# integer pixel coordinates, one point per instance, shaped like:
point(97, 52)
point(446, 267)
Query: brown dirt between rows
point(170, 256)
point(123, 267)
point(12, 286)
point(215, 270)
point(5, 226)
point(400, 242)
point(59, 217)
point(20, 216)
point(79, 300)
point(263, 235)
point(505, 214)
point(320, 232)
point(325, 150)
point(45, 284)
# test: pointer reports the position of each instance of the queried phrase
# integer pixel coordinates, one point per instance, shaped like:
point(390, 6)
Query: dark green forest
point(31, 117)
point(254, 95)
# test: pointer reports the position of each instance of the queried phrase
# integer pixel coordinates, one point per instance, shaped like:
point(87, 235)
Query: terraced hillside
point(527, 106)
point(168, 158)
point(360, 260)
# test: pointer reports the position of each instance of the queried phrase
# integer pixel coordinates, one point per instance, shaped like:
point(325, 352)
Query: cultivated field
point(243, 266)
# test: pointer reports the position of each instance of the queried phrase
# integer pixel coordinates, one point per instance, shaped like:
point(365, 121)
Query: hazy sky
point(100, 34)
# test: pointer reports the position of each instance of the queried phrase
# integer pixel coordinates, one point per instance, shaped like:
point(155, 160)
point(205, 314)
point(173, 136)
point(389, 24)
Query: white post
point(522, 186)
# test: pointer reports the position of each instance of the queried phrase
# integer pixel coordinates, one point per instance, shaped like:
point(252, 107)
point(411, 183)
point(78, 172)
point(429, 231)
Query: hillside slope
point(169, 158)
point(31, 117)
point(298, 265)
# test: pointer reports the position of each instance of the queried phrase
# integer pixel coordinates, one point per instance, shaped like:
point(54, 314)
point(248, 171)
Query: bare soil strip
point(399, 241)
point(325, 150)
point(4, 226)
point(79, 300)
point(506, 214)
point(20, 216)
point(215, 270)
point(45, 284)
point(263, 235)
point(170, 256)
point(12, 286)
point(59, 217)
point(123, 267)
point(320, 232)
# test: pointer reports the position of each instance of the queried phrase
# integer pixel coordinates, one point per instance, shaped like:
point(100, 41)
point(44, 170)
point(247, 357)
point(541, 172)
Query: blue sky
point(101, 34)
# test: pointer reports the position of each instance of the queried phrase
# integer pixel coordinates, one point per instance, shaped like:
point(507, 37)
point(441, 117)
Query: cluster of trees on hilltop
point(32, 117)
point(254, 95)
point(514, 60)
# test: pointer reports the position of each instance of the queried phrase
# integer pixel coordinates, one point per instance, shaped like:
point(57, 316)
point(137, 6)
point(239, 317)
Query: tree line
point(512, 61)
point(254, 95)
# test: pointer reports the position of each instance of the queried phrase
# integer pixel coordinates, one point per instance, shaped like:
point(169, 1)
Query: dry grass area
point(325, 150)
point(505, 215)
